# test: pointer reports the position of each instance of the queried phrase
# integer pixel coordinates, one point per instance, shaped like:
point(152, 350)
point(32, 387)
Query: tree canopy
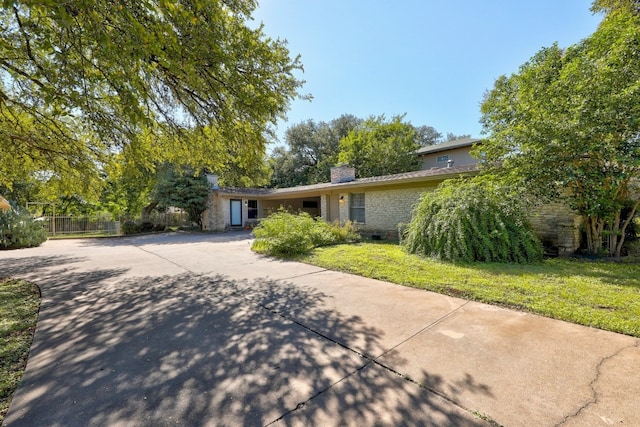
point(312, 150)
point(182, 189)
point(80, 79)
point(567, 125)
point(381, 147)
point(314, 147)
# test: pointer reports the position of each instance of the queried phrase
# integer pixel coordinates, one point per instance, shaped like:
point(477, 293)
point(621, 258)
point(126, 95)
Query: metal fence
point(64, 225)
point(59, 225)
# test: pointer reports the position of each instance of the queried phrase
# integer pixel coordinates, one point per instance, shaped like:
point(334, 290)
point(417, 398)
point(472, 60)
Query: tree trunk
point(613, 237)
point(594, 227)
point(623, 229)
point(146, 211)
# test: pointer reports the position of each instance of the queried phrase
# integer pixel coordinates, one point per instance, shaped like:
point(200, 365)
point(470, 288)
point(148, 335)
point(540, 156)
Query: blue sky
point(432, 60)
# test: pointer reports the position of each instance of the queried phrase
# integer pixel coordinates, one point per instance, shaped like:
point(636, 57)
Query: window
point(310, 204)
point(356, 207)
point(252, 209)
point(444, 158)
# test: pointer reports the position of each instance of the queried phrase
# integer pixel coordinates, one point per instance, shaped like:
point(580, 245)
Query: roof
point(433, 174)
point(456, 143)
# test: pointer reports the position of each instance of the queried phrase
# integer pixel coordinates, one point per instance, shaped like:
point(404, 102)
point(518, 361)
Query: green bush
point(145, 227)
point(18, 229)
point(466, 220)
point(286, 234)
point(130, 227)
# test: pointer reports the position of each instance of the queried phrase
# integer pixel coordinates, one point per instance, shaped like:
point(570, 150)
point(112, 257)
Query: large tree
point(312, 150)
point(380, 146)
point(80, 78)
point(567, 126)
point(181, 188)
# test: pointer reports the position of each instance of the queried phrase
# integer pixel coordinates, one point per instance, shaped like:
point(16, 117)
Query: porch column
point(324, 207)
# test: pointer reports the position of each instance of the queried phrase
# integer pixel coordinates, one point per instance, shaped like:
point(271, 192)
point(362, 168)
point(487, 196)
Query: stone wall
point(385, 209)
point(214, 216)
point(557, 226)
point(342, 174)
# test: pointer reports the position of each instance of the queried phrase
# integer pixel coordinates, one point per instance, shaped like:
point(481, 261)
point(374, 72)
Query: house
point(451, 153)
point(377, 204)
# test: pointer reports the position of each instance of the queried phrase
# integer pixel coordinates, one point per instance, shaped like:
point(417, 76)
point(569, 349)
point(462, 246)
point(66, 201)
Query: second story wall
point(460, 156)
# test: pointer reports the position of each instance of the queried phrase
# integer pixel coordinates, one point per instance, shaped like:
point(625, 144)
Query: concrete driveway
point(195, 329)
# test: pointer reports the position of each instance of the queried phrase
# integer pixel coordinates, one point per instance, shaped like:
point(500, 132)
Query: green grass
point(600, 294)
point(19, 303)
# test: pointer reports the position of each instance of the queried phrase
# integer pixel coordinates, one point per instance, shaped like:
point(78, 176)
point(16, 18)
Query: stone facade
point(557, 226)
point(384, 209)
point(214, 216)
point(342, 174)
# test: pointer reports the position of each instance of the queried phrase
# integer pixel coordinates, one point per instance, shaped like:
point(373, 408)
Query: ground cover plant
point(286, 234)
point(19, 303)
point(600, 294)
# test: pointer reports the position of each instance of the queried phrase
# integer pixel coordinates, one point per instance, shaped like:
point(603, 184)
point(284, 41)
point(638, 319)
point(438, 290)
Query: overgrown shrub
point(286, 234)
point(18, 229)
point(145, 227)
point(159, 227)
point(466, 220)
point(130, 227)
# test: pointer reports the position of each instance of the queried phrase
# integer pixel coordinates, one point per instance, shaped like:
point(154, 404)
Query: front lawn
point(601, 294)
point(19, 303)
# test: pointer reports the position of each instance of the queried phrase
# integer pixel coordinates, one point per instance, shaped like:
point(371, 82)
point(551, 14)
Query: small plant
point(18, 229)
point(287, 235)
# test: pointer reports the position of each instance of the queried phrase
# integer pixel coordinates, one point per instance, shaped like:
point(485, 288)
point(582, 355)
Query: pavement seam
point(427, 327)
point(164, 258)
point(369, 361)
point(594, 381)
point(305, 274)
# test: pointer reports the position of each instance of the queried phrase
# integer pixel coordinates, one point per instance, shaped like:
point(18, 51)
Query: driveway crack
point(592, 385)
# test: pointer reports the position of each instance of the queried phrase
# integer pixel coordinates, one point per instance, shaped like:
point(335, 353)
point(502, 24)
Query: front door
point(236, 213)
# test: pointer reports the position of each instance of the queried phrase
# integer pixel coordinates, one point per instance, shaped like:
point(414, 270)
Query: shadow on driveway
point(196, 350)
point(173, 238)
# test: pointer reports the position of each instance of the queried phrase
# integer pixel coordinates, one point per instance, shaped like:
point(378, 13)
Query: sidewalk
point(198, 330)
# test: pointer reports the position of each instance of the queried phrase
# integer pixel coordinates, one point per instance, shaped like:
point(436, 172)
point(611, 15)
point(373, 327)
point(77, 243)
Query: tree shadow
point(35, 266)
point(197, 350)
point(173, 238)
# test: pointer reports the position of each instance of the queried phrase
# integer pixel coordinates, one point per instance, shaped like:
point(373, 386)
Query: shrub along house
point(377, 204)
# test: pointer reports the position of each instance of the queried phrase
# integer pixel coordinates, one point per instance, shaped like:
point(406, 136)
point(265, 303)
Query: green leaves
point(381, 147)
point(468, 220)
point(182, 189)
point(565, 126)
point(286, 234)
point(84, 78)
point(18, 229)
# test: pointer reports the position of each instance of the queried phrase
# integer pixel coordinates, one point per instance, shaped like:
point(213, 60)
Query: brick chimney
point(342, 174)
point(213, 181)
